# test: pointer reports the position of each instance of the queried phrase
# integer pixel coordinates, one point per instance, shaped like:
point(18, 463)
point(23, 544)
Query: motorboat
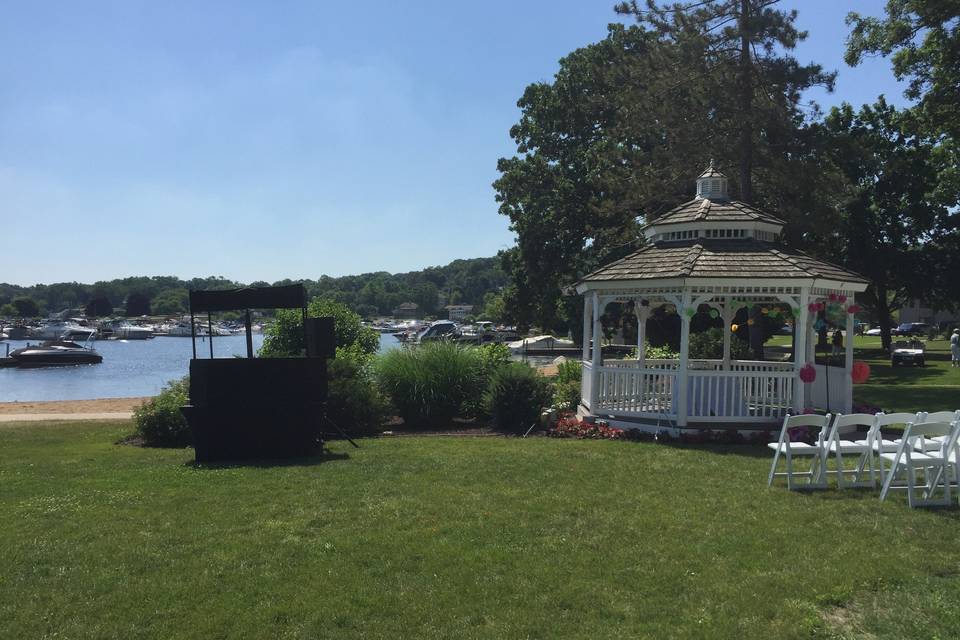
point(539, 343)
point(62, 330)
point(54, 353)
point(128, 331)
point(439, 330)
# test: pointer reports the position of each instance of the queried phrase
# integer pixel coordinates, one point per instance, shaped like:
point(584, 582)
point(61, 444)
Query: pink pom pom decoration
point(808, 373)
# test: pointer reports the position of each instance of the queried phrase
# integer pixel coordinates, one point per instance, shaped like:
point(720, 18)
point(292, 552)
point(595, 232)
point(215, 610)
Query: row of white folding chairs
point(929, 444)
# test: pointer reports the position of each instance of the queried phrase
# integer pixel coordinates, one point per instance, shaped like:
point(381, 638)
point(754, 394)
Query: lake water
point(129, 369)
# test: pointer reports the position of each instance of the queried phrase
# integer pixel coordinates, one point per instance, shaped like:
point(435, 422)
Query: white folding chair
point(938, 416)
point(861, 450)
point(936, 465)
point(788, 449)
point(878, 444)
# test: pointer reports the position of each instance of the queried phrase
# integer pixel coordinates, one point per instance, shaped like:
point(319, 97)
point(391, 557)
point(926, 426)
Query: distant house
point(407, 311)
point(458, 312)
point(916, 312)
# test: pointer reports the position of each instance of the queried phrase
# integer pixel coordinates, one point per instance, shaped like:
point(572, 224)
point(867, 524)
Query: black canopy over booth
point(247, 408)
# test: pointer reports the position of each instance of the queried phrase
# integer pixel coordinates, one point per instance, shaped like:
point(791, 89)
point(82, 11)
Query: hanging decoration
point(859, 372)
point(734, 327)
point(750, 322)
point(714, 314)
point(808, 373)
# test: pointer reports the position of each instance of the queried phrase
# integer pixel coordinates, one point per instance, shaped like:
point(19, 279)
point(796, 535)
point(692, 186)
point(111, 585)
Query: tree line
point(476, 281)
point(618, 136)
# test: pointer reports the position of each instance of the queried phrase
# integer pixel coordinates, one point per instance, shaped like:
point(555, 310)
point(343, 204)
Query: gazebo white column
point(848, 363)
point(587, 322)
point(643, 313)
point(800, 335)
point(682, 390)
point(597, 354)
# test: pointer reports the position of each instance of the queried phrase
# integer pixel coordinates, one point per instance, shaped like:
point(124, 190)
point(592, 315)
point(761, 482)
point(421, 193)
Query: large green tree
point(897, 209)
point(923, 39)
point(628, 122)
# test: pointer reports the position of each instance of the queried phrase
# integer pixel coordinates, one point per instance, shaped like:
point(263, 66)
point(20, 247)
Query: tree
point(26, 307)
point(923, 39)
point(170, 302)
point(136, 304)
point(897, 210)
point(627, 124)
point(285, 336)
point(99, 306)
point(740, 43)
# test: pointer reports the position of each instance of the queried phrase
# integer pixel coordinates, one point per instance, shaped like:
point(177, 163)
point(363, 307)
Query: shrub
point(159, 421)
point(569, 371)
point(429, 385)
point(490, 358)
point(709, 345)
point(566, 395)
point(516, 396)
point(353, 402)
point(284, 337)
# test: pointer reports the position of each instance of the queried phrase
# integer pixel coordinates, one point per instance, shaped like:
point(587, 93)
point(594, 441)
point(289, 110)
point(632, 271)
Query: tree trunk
point(883, 311)
point(746, 105)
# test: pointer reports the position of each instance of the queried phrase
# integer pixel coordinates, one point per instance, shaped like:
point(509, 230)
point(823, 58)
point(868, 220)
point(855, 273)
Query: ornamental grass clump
point(159, 421)
point(429, 385)
point(516, 396)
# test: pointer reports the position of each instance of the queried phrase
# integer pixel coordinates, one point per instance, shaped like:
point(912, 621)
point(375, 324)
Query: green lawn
point(454, 538)
point(932, 388)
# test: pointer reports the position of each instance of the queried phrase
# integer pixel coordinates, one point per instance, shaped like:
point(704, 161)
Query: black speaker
point(321, 338)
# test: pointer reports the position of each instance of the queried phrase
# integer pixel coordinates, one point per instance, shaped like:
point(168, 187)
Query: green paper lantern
point(714, 314)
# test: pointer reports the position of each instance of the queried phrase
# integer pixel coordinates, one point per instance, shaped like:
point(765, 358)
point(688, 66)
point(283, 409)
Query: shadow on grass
point(304, 461)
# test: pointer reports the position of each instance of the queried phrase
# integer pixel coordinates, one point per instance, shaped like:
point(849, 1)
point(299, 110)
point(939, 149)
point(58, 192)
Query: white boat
point(127, 331)
point(58, 329)
point(439, 330)
point(539, 343)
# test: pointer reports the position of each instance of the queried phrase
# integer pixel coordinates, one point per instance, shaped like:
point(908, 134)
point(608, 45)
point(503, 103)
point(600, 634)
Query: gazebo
point(715, 255)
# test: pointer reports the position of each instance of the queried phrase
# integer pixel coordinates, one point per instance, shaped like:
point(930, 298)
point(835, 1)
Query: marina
point(129, 369)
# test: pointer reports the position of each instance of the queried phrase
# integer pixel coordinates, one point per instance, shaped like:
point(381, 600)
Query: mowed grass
point(933, 387)
point(454, 538)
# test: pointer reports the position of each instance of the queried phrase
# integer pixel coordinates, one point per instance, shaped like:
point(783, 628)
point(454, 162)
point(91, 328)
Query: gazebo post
point(800, 335)
point(597, 353)
point(587, 319)
point(683, 391)
point(643, 312)
point(848, 363)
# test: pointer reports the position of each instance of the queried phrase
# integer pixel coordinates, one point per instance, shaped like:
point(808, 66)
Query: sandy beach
point(101, 409)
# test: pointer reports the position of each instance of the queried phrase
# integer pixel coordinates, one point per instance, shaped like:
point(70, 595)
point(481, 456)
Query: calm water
point(129, 368)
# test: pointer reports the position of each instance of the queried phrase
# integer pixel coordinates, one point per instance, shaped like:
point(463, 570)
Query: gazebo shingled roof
point(706, 258)
point(705, 210)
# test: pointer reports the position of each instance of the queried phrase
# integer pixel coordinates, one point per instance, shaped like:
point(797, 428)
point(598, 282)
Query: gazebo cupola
point(715, 257)
point(712, 184)
point(712, 215)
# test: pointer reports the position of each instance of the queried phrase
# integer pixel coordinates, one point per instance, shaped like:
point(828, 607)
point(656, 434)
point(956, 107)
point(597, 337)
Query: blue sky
point(264, 140)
